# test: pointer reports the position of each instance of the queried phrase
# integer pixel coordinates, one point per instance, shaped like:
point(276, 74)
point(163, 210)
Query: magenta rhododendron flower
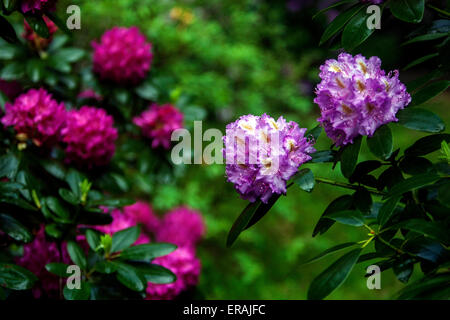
point(122, 56)
point(36, 255)
point(356, 97)
point(142, 213)
point(90, 94)
point(35, 115)
point(263, 154)
point(34, 39)
point(158, 122)
point(184, 264)
point(181, 226)
point(36, 5)
point(90, 136)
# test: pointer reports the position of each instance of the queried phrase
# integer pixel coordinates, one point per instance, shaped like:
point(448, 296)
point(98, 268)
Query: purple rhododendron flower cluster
point(90, 136)
point(34, 39)
point(356, 97)
point(142, 213)
point(263, 154)
point(158, 122)
point(36, 115)
point(122, 56)
point(36, 255)
point(373, 1)
point(36, 5)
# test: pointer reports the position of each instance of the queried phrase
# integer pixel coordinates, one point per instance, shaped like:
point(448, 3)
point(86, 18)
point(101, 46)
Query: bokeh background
point(235, 57)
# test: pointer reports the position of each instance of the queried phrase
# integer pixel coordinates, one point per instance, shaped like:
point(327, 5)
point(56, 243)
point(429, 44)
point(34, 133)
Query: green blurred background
point(234, 57)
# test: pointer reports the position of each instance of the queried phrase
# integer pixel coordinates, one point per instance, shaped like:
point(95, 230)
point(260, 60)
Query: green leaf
point(52, 230)
point(363, 168)
point(433, 230)
point(427, 144)
point(116, 203)
point(106, 267)
point(422, 288)
point(74, 179)
point(403, 270)
point(11, 5)
point(356, 31)
point(155, 273)
point(314, 133)
point(15, 277)
point(58, 268)
point(362, 200)
point(124, 238)
point(12, 71)
point(380, 144)
point(58, 42)
point(9, 51)
point(9, 164)
point(57, 207)
point(412, 183)
point(147, 91)
point(339, 204)
point(323, 156)
point(386, 210)
point(333, 276)
point(429, 91)
point(7, 31)
point(77, 254)
point(349, 217)
point(331, 7)
point(242, 221)
point(408, 10)
point(415, 165)
point(339, 22)
point(93, 239)
point(14, 228)
point(129, 277)
point(426, 37)
point(68, 196)
point(262, 210)
point(38, 24)
point(305, 180)
point(334, 249)
point(78, 294)
point(420, 119)
point(420, 60)
point(35, 69)
point(69, 55)
point(149, 251)
point(349, 157)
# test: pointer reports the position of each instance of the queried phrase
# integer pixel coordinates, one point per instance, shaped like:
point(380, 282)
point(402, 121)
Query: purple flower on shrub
point(263, 154)
point(34, 39)
point(356, 97)
point(35, 115)
point(123, 55)
point(373, 1)
point(158, 122)
point(185, 265)
point(36, 255)
point(181, 226)
point(90, 136)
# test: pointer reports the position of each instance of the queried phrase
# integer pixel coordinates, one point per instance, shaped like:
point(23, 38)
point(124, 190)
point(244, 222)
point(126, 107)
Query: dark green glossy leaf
point(362, 200)
point(14, 228)
point(15, 277)
point(129, 277)
point(38, 24)
point(349, 157)
point(314, 133)
point(12, 71)
point(124, 238)
point(356, 31)
point(339, 204)
point(387, 209)
point(433, 230)
point(349, 217)
point(333, 276)
point(76, 254)
point(242, 221)
point(415, 165)
point(7, 31)
point(429, 91)
point(334, 249)
point(69, 55)
point(155, 273)
point(420, 119)
point(408, 10)
point(323, 156)
point(412, 183)
point(57, 207)
point(149, 251)
point(78, 294)
point(58, 268)
point(68, 196)
point(339, 22)
point(305, 180)
point(380, 144)
point(427, 144)
point(364, 168)
point(93, 239)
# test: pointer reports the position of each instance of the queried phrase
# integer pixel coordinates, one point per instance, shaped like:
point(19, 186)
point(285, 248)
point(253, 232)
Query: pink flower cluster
point(158, 122)
point(90, 136)
point(123, 55)
point(36, 255)
point(35, 41)
point(36, 5)
point(36, 115)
